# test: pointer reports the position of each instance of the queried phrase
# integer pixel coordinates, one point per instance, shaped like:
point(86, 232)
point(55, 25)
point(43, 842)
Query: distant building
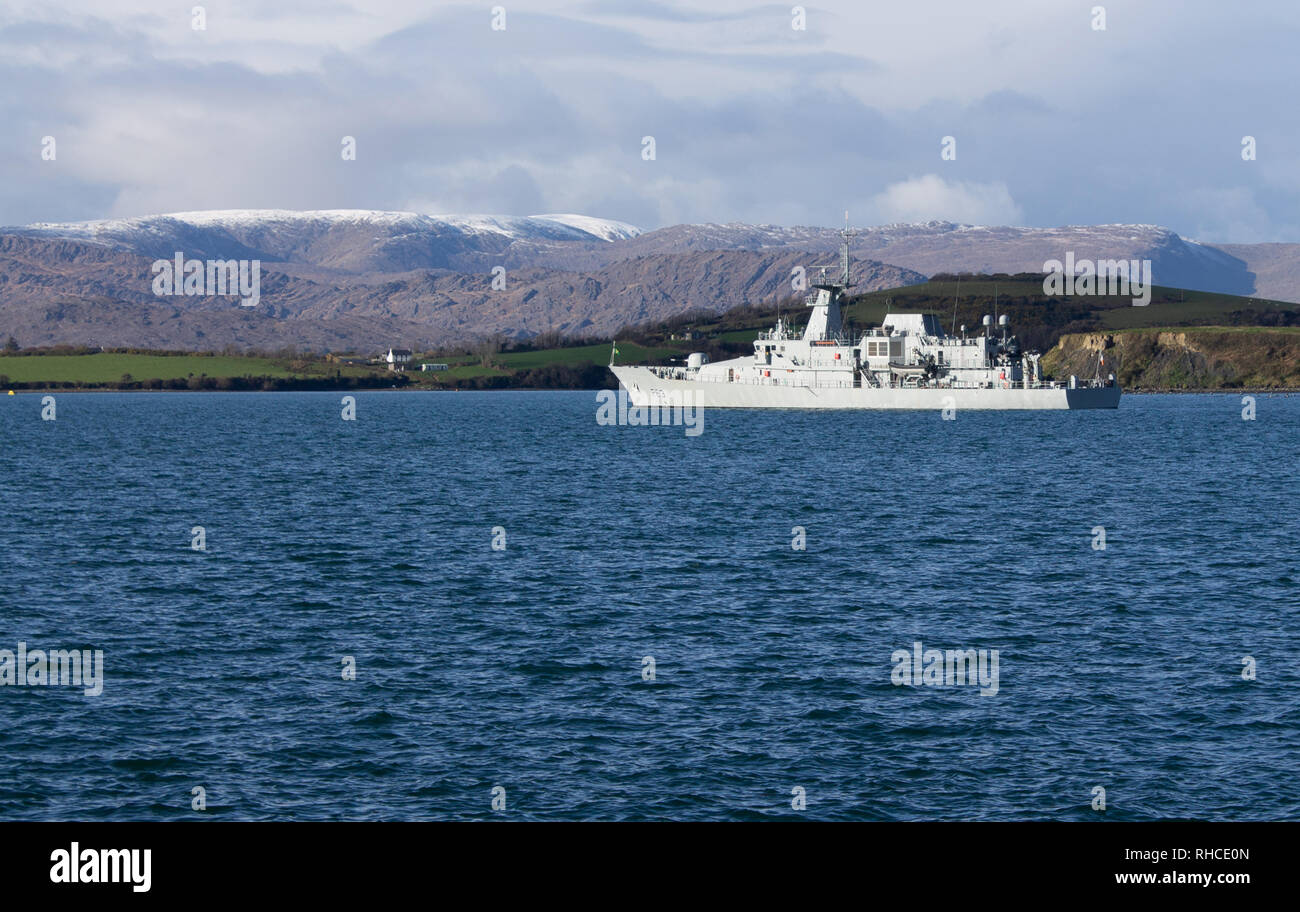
point(426, 366)
point(398, 358)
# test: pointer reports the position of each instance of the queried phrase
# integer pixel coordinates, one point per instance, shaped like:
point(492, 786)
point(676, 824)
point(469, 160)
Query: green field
point(504, 364)
point(119, 368)
point(739, 335)
point(1210, 328)
point(1037, 319)
point(1170, 306)
point(109, 367)
point(628, 353)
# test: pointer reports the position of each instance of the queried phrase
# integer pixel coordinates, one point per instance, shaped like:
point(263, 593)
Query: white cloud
point(1231, 215)
point(754, 121)
point(922, 199)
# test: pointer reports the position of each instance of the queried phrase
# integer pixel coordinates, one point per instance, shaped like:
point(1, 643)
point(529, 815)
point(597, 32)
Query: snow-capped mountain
point(935, 247)
point(605, 229)
point(368, 241)
point(139, 229)
point(350, 240)
point(361, 279)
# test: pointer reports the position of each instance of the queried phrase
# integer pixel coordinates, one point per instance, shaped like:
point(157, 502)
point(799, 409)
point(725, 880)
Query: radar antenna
point(844, 278)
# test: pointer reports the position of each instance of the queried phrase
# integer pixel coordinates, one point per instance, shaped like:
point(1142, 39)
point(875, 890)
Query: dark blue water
point(522, 668)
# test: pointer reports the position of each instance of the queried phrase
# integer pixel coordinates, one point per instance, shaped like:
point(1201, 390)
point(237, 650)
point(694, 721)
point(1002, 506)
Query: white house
point(398, 358)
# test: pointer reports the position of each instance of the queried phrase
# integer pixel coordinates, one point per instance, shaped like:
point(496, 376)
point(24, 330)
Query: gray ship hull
point(644, 388)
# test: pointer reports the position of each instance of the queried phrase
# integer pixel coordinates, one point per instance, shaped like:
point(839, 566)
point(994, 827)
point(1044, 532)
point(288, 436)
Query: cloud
point(930, 197)
point(1232, 215)
point(754, 121)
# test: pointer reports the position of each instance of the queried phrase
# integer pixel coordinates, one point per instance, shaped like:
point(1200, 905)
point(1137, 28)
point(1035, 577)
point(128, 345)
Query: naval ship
point(907, 362)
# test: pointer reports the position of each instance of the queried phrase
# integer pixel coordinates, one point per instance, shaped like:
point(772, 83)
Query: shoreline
point(1245, 390)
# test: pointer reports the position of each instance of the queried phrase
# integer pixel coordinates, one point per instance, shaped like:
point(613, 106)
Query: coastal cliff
point(1186, 358)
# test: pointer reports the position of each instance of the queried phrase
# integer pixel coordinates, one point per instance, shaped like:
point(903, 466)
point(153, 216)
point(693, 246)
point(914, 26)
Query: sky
point(1053, 120)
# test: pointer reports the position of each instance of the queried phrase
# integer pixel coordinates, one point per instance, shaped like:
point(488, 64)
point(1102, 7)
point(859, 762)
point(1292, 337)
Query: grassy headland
point(1181, 340)
point(69, 368)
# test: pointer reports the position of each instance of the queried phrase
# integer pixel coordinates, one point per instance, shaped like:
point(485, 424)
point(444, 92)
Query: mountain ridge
point(367, 278)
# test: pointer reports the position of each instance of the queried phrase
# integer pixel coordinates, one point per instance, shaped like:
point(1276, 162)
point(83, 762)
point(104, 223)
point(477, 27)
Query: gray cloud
point(753, 121)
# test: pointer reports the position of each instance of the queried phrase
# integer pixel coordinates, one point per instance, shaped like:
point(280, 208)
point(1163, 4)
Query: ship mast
point(825, 322)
